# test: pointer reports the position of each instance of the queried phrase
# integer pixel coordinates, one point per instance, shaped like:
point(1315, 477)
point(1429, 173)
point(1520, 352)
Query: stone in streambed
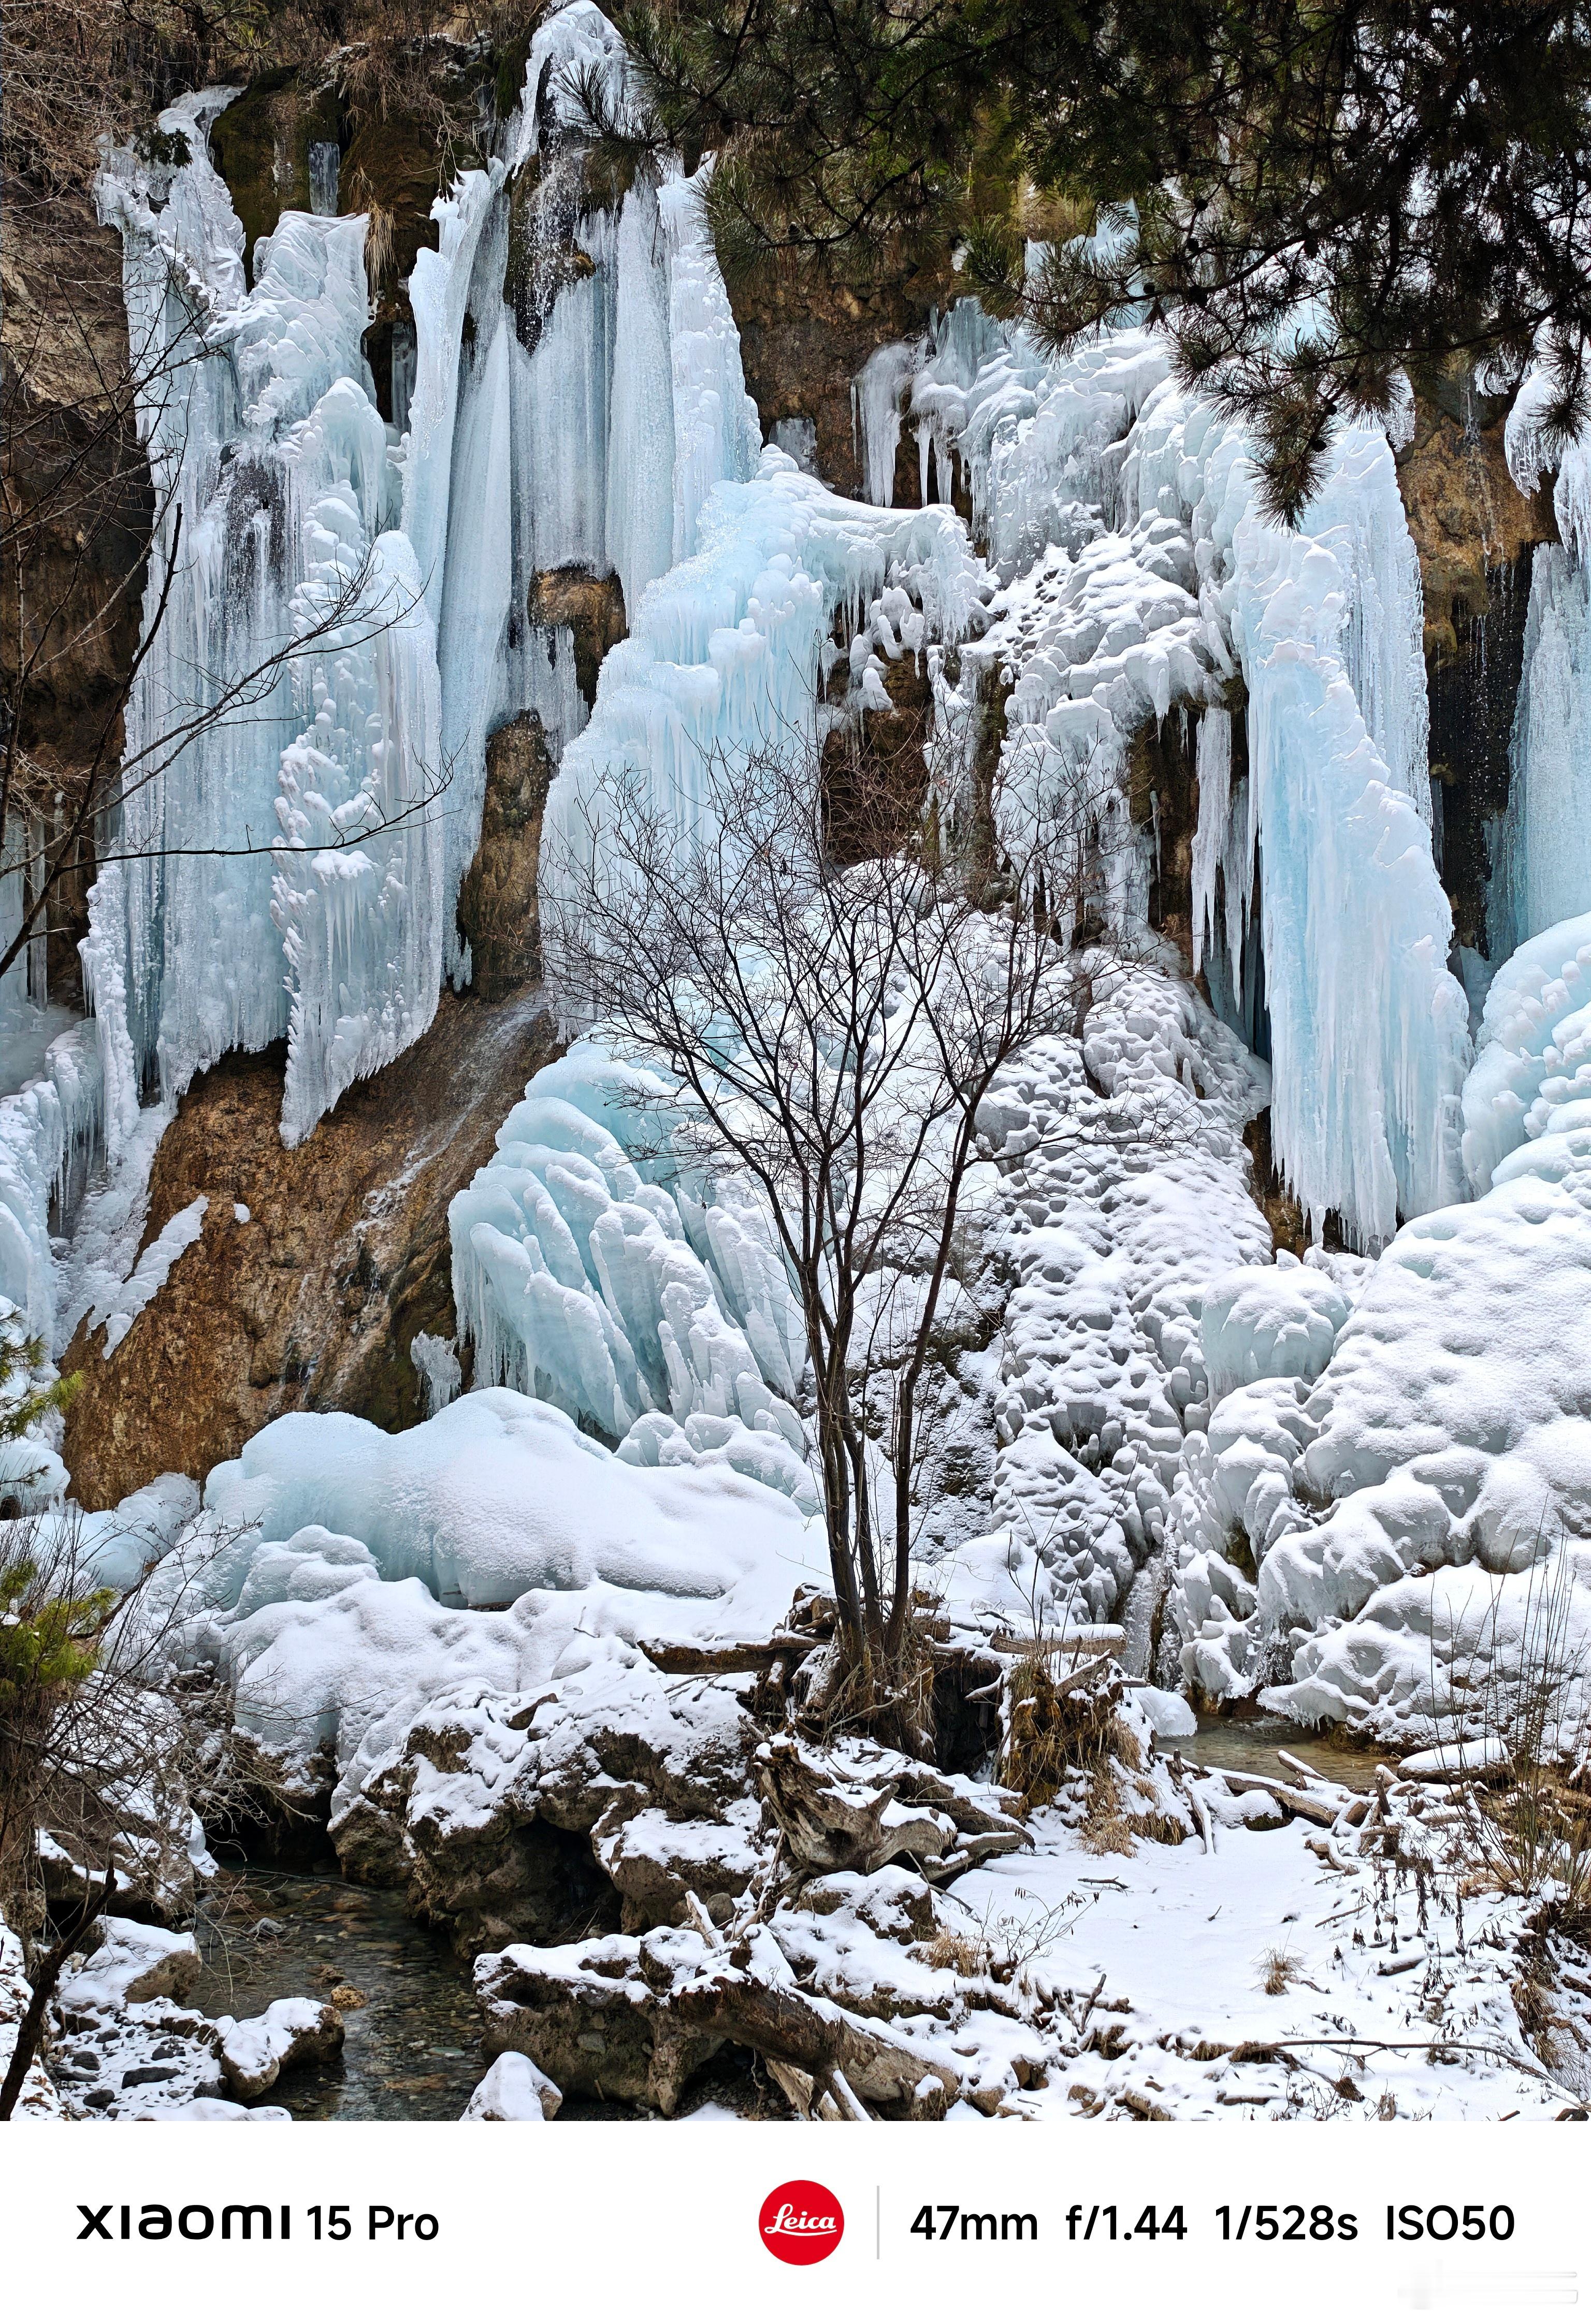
point(513, 2090)
point(255, 2051)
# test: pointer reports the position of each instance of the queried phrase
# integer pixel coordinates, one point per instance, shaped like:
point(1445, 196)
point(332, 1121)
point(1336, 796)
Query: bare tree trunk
point(31, 2030)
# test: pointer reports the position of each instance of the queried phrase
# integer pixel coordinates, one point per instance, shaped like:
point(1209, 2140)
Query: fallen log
point(816, 2038)
point(682, 1661)
point(1300, 1803)
point(1087, 1638)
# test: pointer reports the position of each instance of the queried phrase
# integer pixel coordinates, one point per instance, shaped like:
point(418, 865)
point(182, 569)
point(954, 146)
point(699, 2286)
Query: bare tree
point(832, 1030)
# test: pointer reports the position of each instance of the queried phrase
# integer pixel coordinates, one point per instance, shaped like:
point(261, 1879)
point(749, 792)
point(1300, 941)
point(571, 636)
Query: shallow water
point(411, 2052)
point(1249, 1747)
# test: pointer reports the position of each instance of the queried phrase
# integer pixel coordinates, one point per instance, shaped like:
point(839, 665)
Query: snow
point(1158, 1964)
point(1122, 1193)
point(181, 1230)
point(1270, 1322)
point(114, 1546)
point(39, 2101)
point(513, 2089)
point(343, 1578)
point(1531, 1076)
point(1407, 1510)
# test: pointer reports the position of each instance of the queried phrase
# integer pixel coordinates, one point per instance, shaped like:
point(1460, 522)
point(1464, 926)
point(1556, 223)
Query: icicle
point(1213, 765)
point(875, 414)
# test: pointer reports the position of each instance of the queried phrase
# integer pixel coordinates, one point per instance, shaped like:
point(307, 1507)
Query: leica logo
point(801, 2222)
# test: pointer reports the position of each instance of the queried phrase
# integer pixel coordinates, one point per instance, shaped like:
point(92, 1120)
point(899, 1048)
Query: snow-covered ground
point(1387, 2002)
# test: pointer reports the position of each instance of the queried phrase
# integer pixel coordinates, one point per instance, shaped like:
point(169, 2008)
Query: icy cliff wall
point(338, 612)
point(1141, 580)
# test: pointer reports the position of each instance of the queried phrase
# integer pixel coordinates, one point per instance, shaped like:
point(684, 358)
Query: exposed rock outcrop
point(497, 911)
point(802, 342)
point(316, 1266)
point(593, 608)
point(1474, 532)
point(78, 509)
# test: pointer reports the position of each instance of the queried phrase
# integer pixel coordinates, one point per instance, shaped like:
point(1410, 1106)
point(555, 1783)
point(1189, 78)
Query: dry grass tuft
point(1051, 1736)
point(1278, 1968)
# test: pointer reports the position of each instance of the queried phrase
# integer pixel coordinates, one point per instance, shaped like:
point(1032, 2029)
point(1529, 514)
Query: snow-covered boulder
point(1270, 1322)
point(208, 2110)
point(256, 2050)
point(487, 1805)
point(131, 1962)
point(1531, 1077)
point(514, 2089)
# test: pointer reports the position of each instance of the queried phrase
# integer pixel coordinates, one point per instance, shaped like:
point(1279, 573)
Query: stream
point(412, 2049)
point(1249, 1747)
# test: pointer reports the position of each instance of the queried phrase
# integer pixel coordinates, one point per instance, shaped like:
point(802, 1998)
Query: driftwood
point(1286, 1795)
point(1087, 1638)
point(857, 1808)
point(817, 2039)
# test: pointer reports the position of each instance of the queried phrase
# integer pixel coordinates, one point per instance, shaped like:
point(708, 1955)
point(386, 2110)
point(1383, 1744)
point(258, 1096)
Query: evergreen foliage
point(1309, 195)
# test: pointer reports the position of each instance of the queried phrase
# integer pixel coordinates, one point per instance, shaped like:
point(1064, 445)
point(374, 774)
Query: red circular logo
point(801, 2222)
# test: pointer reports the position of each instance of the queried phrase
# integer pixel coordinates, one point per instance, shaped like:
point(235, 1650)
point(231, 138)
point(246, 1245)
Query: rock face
point(570, 597)
point(79, 511)
point(802, 342)
point(261, 145)
point(497, 901)
point(316, 1268)
point(1474, 532)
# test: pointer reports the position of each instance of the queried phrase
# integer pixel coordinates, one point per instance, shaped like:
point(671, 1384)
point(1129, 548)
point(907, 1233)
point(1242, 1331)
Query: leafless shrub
point(100, 1755)
point(1515, 1694)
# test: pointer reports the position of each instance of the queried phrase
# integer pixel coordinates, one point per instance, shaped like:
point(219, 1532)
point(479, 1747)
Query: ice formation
point(1123, 1193)
point(1141, 580)
point(1177, 1415)
point(1531, 1076)
point(1376, 1541)
point(723, 654)
point(47, 1127)
point(651, 1307)
point(1542, 856)
point(362, 600)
